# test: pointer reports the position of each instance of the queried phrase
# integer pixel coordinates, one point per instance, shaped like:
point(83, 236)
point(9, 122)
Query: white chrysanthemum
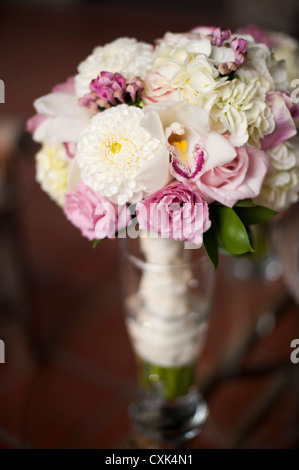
point(52, 168)
point(281, 186)
point(119, 158)
point(124, 55)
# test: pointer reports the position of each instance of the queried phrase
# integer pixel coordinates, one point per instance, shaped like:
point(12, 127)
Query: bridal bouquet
point(192, 138)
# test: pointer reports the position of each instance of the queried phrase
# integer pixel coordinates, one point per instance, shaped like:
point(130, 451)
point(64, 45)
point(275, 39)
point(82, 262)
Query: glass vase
point(263, 264)
point(168, 290)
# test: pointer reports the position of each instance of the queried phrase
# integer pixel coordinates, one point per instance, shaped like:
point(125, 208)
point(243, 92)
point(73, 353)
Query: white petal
point(194, 117)
point(154, 174)
point(151, 122)
point(74, 176)
point(59, 129)
point(222, 54)
point(219, 150)
point(60, 103)
point(200, 46)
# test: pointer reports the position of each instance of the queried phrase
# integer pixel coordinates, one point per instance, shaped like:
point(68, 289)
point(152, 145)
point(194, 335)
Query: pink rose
point(157, 88)
point(239, 179)
point(284, 123)
point(174, 212)
point(93, 214)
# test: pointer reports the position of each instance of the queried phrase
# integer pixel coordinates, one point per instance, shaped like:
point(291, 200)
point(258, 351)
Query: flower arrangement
point(193, 138)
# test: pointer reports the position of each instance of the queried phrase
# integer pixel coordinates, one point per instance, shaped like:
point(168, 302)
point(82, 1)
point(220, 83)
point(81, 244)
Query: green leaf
point(95, 242)
point(211, 245)
point(254, 215)
point(232, 231)
point(245, 203)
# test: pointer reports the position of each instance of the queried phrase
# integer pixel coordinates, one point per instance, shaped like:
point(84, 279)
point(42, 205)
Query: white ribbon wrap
point(164, 326)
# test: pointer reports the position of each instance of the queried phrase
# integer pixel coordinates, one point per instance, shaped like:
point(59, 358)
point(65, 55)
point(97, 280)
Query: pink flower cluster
point(110, 89)
point(221, 38)
point(218, 37)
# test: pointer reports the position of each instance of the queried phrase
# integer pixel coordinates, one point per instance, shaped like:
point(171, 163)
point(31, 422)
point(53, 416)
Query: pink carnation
point(239, 179)
point(93, 214)
point(174, 212)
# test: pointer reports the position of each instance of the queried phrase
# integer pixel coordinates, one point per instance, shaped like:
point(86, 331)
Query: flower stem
point(165, 382)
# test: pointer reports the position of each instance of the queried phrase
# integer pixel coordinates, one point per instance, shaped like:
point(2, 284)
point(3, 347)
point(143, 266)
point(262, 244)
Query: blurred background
point(69, 372)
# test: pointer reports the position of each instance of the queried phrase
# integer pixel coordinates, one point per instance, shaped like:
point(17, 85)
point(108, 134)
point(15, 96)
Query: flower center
point(182, 148)
point(120, 151)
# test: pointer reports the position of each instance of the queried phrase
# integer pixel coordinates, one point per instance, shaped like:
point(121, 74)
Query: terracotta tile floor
point(70, 373)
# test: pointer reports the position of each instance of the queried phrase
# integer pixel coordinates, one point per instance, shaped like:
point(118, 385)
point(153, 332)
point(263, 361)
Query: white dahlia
point(121, 154)
point(126, 56)
point(52, 168)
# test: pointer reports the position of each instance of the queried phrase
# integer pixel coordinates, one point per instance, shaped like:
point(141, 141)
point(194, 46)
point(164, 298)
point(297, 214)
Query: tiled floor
point(70, 373)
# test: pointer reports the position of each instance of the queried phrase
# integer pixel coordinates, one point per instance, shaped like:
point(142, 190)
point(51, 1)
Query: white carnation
point(124, 55)
point(52, 168)
point(281, 186)
point(240, 108)
point(236, 106)
point(119, 158)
